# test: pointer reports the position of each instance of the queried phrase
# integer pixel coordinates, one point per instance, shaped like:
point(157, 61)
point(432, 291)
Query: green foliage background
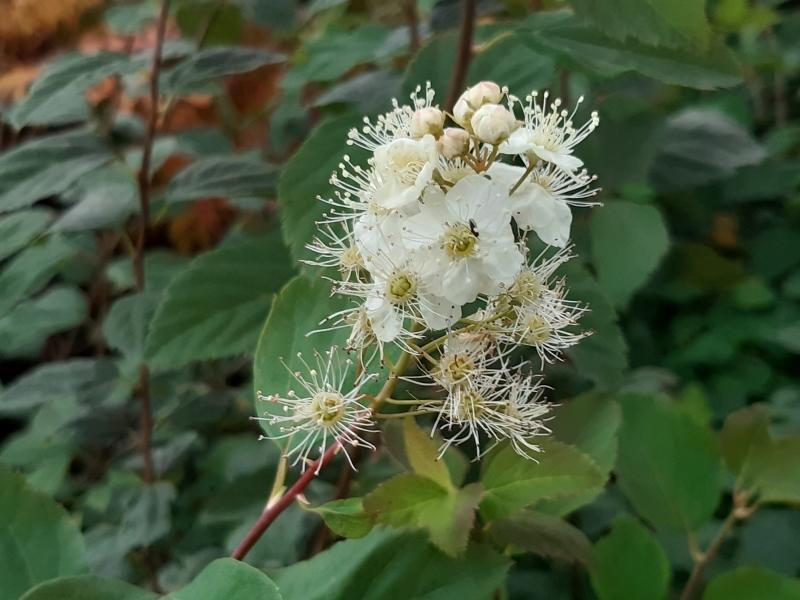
point(677, 430)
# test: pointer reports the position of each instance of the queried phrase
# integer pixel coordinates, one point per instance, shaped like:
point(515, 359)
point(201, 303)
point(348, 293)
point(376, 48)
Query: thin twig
point(143, 387)
point(459, 77)
point(410, 10)
point(272, 511)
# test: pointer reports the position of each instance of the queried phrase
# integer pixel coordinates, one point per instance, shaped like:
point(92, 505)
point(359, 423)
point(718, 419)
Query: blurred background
point(692, 267)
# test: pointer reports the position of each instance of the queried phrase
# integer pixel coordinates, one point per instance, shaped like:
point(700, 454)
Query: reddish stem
point(459, 77)
point(271, 512)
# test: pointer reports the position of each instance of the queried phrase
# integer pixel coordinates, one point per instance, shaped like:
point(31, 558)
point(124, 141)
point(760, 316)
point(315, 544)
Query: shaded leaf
point(629, 563)
point(615, 229)
point(543, 535)
point(214, 308)
point(106, 198)
point(39, 541)
point(228, 578)
point(47, 166)
point(668, 465)
point(232, 177)
point(205, 66)
point(346, 517)
point(743, 430)
point(748, 583)
point(17, 230)
point(87, 587)
point(512, 482)
point(423, 455)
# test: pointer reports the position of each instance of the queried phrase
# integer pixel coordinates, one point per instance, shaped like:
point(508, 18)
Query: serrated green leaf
point(415, 501)
point(434, 62)
point(30, 270)
point(127, 323)
point(210, 64)
point(346, 517)
point(297, 310)
point(17, 230)
point(306, 176)
point(26, 327)
point(232, 177)
point(629, 563)
point(512, 482)
point(668, 465)
point(423, 455)
point(105, 198)
point(39, 541)
point(673, 23)
point(543, 535)
point(588, 49)
point(699, 146)
point(47, 166)
point(511, 61)
point(214, 308)
point(57, 95)
point(749, 583)
point(388, 565)
point(589, 422)
point(615, 229)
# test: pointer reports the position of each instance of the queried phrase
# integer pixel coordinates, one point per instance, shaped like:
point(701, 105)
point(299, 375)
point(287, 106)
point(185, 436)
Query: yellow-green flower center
point(526, 287)
point(455, 368)
point(460, 241)
point(350, 259)
point(327, 408)
point(537, 330)
point(401, 287)
point(470, 405)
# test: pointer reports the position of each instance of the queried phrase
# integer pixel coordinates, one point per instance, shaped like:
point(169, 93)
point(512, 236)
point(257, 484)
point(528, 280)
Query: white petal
point(385, 320)
point(459, 283)
point(438, 313)
point(561, 159)
point(551, 220)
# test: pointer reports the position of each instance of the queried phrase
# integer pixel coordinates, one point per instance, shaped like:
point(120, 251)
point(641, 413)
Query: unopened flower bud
point(493, 123)
point(427, 120)
point(454, 142)
point(462, 111)
point(485, 92)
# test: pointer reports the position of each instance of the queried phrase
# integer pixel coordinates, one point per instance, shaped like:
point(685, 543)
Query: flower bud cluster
point(435, 223)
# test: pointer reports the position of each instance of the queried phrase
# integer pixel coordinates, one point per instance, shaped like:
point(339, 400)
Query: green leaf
point(772, 471)
point(673, 23)
point(223, 578)
point(17, 230)
point(213, 309)
point(105, 198)
point(297, 310)
point(415, 501)
point(87, 587)
point(589, 422)
point(127, 322)
point(748, 583)
point(512, 482)
point(25, 328)
point(306, 176)
point(423, 455)
point(509, 60)
point(234, 177)
point(699, 146)
point(615, 229)
point(543, 535)
point(47, 166)
point(57, 95)
point(603, 356)
point(629, 563)
point(228, 578)
point(435, 63)
point(588, 49)
point(346, 517)
point(743, 430)
point(39, 541)
point(78, 378)
point(388, 565)
point(368, 93)
point(668, 464)
point(146, 515)
point(210, 64)
point(30, 270)
point(337, 51)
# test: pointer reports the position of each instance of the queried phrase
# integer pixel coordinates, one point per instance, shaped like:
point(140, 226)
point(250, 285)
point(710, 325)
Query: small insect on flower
point(321, 411)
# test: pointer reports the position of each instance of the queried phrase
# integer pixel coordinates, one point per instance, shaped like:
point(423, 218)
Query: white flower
point(501, 404)
point(398, 296)
point(548, 133)
point(485, 92)
point(319, 410)
point(542, 202)
point(453, 142)
point(405, 168)
point(493, 123)
point(427, 120)
point(467, 236)
point(336, 248)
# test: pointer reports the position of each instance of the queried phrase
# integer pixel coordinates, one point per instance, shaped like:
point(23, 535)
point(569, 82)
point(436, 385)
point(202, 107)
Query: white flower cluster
point(431, 235)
